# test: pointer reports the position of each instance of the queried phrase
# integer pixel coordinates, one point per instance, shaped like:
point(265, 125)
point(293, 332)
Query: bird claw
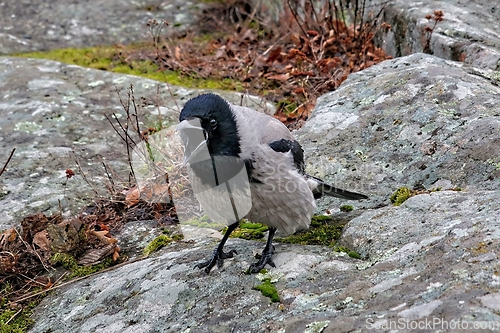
point(264, 259)
point(218, 257)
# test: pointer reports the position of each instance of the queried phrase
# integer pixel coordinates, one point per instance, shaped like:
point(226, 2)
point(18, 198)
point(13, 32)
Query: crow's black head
point(218, 123)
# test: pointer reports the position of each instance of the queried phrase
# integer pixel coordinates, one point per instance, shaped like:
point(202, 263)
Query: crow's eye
point(213, 123)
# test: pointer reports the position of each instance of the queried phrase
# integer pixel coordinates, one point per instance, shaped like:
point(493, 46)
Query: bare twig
point(83, 174)
point(7, 252)
point(14, 316)
point(112, 189)
point(75, 280)
point(156, 37)
point(157, 102)
point(8, 160)
point(33, 280)
point(296, 16)
point(116, 130)
point(31, 250)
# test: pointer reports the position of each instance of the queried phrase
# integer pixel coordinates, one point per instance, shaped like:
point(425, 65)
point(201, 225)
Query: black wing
point(285, 145)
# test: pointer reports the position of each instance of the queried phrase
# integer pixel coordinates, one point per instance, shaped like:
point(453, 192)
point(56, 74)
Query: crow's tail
point(325, 189)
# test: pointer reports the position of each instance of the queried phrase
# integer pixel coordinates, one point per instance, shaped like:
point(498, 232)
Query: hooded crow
point(282, 194)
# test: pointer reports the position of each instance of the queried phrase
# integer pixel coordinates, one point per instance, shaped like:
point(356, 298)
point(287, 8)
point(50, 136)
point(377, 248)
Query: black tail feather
point(325, 189)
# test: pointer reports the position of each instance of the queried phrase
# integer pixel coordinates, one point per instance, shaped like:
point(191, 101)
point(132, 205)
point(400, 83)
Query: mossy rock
point(346, 208)
point(401, 195)
point(114, 59)
point(204, 222)
point(248, 231)
point(157, 243)
point(13, 322)
point(269, 290)
point(350, 253)
point(69, 262)
point(320, 233)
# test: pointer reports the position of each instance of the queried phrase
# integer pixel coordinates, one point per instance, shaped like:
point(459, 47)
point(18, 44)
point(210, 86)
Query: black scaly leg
point(218, 255)
point(266, 257)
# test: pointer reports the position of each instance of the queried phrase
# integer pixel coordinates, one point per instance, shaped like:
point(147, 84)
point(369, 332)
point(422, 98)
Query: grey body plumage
point(282, 194)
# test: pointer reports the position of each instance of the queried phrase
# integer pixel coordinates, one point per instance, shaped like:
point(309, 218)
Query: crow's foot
point(264, 259)
point(218, 257)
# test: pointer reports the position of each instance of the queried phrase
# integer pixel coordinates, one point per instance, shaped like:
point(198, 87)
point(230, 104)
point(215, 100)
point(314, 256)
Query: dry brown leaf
point(32, 224)
point(92, 257)
point(64, 236)
point(42, 240)
point(275, 53)
point(132, 197)
point(8, 236)
point(103, 227)
point(300, 73)
point(116, 254)
point(102, 235)
point(299, 90)
point(178, 53)
point(279, 77)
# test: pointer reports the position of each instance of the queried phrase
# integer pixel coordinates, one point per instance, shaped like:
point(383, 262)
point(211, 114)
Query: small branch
point(14, 316)
point(83, 174)
point(116, 130)
point(8, 160)
point(7, 252)
point(75, 280)
point(112, 183)
point(296, 16)
point(28, 247)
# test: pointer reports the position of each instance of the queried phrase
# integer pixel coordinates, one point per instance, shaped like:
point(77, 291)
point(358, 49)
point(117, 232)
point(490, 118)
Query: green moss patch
point(401, 195)
point(117, 59)
point(287, 106)
point(269, 290)
point(13, 321)
point(248, 230)
point(350, 253)
point(346, 208)
point(205, 222)
point(320, 233)
point(157, 243)
point(69, 262)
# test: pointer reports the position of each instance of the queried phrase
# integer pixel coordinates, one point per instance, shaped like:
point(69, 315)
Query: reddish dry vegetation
point(26, 256)
point(291, 63)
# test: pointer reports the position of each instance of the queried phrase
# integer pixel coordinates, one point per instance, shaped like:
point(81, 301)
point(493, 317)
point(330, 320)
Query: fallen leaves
point(94, 256)
point(297, 60)
point(42, 241)
point(25, 254)
point(65, 236)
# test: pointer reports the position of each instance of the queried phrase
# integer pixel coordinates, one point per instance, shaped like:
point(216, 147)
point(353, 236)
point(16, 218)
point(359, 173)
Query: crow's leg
point(266, 257)
point(218, 255)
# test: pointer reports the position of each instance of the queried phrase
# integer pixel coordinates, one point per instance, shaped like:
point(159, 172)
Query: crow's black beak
point(195, 142)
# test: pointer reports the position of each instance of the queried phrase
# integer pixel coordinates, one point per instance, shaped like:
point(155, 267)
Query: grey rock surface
point(417, 121)
point(434, 259)
point(40, 25)
point(469, 33)
point(445, 271)
point(53, 114)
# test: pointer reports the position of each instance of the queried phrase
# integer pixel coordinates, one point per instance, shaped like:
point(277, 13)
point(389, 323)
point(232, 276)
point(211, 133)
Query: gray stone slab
point(470, 31)
point(417, 121)
point(50, 110)
point(43, 25)
point(412, 272)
